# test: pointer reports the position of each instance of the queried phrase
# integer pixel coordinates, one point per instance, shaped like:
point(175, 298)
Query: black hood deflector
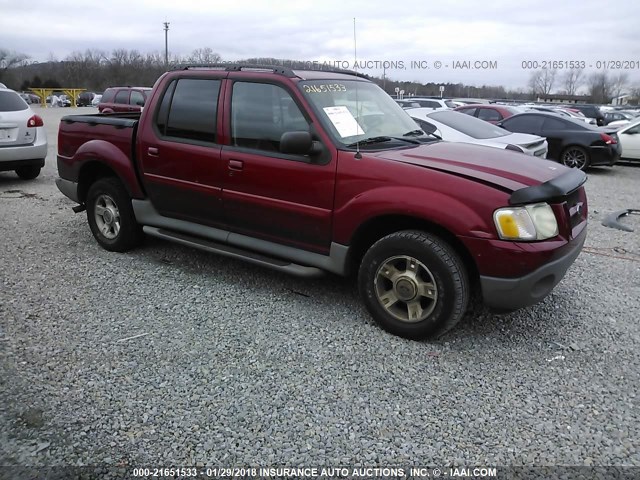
point(556, 188)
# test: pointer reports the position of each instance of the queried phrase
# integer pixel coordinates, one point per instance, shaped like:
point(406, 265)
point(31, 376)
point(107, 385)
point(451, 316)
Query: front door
point(279, 197)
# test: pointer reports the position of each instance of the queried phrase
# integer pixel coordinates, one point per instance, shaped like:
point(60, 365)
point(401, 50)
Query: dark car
point(591, 111)
point(617, 117)
point(490, 113)
point(85, 99)
point(123, 99)
point(571, 142)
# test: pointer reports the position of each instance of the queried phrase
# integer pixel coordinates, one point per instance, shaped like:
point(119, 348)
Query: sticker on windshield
point(345, 123)
point(325, 88)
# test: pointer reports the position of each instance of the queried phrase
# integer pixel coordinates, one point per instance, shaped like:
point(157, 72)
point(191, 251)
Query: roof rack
point(229, 67)
point(286, 71)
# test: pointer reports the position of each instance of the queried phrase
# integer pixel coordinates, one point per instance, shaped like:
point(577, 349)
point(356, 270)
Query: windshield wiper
point(380, 139)
point(416, 133)
point(368, 141)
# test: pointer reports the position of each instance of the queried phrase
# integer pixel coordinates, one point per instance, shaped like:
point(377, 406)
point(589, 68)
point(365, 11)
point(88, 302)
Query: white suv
point(23, 139)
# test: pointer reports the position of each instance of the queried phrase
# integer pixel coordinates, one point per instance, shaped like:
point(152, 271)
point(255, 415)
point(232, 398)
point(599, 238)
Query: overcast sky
point(508, 32)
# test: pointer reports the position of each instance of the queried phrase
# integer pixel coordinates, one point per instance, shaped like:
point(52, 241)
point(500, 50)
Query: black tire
point(29, 172)
point(118, 230)
point(575, 157)
point(437, 264)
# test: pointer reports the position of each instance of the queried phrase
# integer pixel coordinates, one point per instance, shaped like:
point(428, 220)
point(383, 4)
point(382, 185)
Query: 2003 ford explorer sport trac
point(305, 171)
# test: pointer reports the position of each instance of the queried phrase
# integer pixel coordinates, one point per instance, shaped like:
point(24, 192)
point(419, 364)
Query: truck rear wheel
point(111, 216)
point(414, 284)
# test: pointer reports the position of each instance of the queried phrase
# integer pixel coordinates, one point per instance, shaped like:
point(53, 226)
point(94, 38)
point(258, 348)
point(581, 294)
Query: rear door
point(556, 130)
point(136, 101)
point(180, 153)
point(121, 101)
point(279, 197)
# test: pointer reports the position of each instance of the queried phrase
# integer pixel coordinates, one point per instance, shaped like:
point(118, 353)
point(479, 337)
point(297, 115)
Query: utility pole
point(166, 44)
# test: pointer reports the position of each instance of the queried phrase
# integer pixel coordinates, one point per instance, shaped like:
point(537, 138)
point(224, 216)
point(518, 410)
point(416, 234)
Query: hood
point(504, 169)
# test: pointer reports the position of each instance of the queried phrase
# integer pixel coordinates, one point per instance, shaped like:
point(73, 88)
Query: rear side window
point(11, 102)
point(429, 104)
point(489, 115)
point(192, 109)
point(108, 95)
point(136, 98)
point(524, 123)
point(468, 111)
point(554, 124)
point(122, 96)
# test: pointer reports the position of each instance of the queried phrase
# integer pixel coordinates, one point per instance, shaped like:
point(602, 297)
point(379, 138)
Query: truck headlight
point(531, 222)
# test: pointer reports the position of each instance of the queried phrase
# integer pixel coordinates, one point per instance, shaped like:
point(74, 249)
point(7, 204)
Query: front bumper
point(508, 294)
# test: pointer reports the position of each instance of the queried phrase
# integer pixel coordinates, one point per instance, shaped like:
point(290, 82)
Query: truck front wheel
point(111, 216)
point(414, 284)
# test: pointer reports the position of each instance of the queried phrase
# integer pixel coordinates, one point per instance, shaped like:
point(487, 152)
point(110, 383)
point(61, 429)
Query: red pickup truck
point(311, 171)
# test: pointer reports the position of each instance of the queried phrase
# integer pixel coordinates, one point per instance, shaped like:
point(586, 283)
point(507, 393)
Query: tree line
point(601, 86)
point(95, 70)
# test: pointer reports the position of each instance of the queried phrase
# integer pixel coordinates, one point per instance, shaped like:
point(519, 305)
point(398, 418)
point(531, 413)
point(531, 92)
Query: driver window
point(261, 113)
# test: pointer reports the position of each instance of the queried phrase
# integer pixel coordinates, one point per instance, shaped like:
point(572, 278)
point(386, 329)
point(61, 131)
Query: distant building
point(563, 98)
point(625, 99)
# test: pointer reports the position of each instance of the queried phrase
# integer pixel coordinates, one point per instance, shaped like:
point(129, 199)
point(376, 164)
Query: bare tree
point(9, 59)
point(572, 80)
point(204, 56)
point(541, 81)
point(619, 83)
point(600, 87)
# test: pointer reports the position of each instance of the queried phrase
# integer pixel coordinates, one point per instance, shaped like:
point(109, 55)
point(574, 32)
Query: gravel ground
point(235, 365)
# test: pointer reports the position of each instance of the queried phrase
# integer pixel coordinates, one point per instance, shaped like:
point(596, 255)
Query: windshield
point(471, 126)
point(355, 110)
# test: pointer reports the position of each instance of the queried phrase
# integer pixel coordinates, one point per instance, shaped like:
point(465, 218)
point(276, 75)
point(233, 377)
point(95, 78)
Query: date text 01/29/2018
point(574, 64)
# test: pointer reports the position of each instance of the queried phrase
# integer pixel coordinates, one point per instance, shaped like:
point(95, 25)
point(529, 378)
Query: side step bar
point(233, 252)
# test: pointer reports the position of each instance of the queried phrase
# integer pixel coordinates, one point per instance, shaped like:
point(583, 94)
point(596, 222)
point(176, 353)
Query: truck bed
point(118, 129)
point(82, 138)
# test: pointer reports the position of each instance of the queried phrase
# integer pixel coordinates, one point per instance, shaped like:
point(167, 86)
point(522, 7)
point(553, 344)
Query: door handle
point(236, 164)
point(152, 151)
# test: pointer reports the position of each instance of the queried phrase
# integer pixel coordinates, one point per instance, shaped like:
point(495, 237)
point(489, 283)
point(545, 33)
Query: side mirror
point(140, 103)
point(298, 143)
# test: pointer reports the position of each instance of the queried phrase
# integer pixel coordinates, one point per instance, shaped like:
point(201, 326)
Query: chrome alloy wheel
point(107, 216)
point(406, 288)
point(575, 158)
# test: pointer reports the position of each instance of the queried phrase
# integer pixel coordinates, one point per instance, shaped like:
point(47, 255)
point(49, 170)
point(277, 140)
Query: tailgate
point(14, 131)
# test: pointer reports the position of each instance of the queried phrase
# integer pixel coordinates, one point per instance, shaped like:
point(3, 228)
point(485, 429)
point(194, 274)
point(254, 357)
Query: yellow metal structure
point(43, 93)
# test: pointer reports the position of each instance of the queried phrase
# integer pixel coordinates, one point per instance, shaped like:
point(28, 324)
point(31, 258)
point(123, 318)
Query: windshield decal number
point(325, 88)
